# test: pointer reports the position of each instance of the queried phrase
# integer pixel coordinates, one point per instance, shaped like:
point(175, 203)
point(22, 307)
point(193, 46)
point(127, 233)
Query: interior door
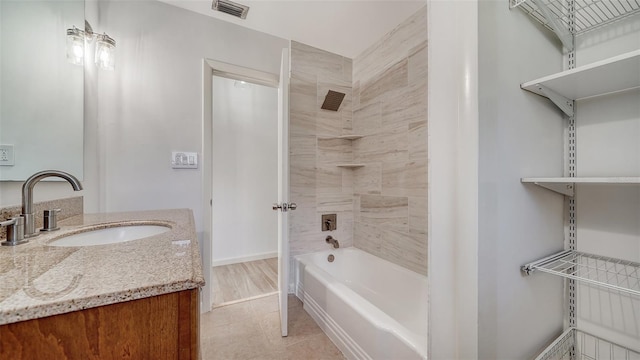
point(283, 189)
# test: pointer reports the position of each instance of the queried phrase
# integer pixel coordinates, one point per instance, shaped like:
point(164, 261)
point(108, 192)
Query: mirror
point(41, 93)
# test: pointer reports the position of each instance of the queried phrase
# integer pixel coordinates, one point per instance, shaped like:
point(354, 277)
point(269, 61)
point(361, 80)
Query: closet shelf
point(577, 344)
point(588, 15)
point(350, 166)
point(566, 185)
point(602, 271)
point(611, 75)
point(343, 137)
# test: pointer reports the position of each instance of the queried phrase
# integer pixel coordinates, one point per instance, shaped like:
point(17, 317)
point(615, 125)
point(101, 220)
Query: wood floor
point(240, 282)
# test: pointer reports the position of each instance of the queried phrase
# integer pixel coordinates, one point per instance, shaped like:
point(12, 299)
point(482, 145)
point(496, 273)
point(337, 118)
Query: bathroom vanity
point(136, 299)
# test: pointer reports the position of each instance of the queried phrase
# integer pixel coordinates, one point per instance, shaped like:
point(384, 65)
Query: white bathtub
point(369, 307)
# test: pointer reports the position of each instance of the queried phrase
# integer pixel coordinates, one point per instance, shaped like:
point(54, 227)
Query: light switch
point(6, 155)
point(184, 160)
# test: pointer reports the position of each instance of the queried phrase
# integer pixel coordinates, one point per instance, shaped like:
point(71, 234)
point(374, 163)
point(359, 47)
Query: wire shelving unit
point(589, 14)
point(575, 344)
point(572, 18)
point(606, 272)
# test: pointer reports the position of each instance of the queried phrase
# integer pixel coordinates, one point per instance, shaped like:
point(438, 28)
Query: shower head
point(231, 8)
point(333, 100)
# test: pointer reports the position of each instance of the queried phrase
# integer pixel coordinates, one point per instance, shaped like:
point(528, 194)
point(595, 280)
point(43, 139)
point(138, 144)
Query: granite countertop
point(37, 280)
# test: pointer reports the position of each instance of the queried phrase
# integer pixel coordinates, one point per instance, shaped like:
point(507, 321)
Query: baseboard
point(229, 261)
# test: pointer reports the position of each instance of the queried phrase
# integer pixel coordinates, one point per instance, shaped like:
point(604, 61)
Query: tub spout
point(332, 241)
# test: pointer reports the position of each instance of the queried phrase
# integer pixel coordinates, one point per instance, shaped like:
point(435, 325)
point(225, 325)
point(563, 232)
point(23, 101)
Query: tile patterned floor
point(247, 280)
point(251, 330)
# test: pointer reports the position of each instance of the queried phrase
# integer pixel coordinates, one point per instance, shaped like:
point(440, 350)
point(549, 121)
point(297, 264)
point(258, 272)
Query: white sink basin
point(110, 235)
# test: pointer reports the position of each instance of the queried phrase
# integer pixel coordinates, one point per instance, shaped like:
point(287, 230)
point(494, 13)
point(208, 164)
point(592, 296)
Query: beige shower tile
point(302, 105)
point(418, 215)
point(304, 90)
point(418, 141)
point(302, 144)
point(393, 78)
point(395, 45)
point(304, 201)
point(404, 178)
point(303, 222)
point(388, 146)
point(347, 114)
point(355, 93)
point(328, 179)
point(310, 60)
point(407, 250)
point(334, 151)
point(309, 243)
point(347, 70)
point(328, 203)
point(368, 179)
point(348, 179)
point(404, 105)
point(302, 123)
point(367, 237)
point(390, 212)
point(418, 61)
point(302, 174)
point(367, 119)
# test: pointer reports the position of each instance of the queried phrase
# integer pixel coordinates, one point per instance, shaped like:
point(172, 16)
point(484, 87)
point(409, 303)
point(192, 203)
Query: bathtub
point(369, 307)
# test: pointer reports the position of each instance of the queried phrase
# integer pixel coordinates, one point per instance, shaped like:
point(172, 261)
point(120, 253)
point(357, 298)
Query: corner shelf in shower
point(350, 166)
point(602, 271)
point(566, 185)
point(577, 344)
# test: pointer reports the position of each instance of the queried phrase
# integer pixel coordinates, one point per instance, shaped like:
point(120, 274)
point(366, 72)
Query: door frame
point(211, 68)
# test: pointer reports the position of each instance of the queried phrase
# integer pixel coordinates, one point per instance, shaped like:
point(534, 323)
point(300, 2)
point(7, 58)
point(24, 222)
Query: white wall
point(152, 103)
point(245, 170)
point(521, 135)
point(453, 179)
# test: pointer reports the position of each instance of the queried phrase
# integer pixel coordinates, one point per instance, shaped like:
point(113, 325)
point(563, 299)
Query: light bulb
point(75, 46)
point(105, 47)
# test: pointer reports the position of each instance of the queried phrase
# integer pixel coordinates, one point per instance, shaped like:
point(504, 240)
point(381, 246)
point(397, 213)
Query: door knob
point(276, 206)
point(293, 206)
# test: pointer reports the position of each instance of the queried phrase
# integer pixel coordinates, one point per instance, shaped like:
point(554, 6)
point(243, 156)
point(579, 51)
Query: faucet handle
point(15, 231)
point(50, 221)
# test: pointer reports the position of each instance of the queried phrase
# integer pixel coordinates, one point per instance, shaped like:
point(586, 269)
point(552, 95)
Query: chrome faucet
point(27, 196)
point(332, 241)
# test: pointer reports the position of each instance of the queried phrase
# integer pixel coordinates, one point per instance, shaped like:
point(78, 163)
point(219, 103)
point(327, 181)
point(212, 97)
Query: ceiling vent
point(231, 8)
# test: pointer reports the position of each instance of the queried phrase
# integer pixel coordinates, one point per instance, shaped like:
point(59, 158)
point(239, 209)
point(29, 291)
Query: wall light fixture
point(104, 51)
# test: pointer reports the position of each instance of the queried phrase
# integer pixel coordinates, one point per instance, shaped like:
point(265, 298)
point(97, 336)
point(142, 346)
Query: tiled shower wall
point(317, 185)
point(390, 109)
point(381, 207)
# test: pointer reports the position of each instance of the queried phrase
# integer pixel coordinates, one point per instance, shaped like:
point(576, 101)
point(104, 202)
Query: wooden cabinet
point(158, 327)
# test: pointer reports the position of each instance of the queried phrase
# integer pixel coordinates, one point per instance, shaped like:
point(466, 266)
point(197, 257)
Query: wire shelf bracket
point(615, 274)
point(554, 24)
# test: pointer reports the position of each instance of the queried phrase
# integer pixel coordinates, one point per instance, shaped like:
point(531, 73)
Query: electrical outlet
point(6, 155)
